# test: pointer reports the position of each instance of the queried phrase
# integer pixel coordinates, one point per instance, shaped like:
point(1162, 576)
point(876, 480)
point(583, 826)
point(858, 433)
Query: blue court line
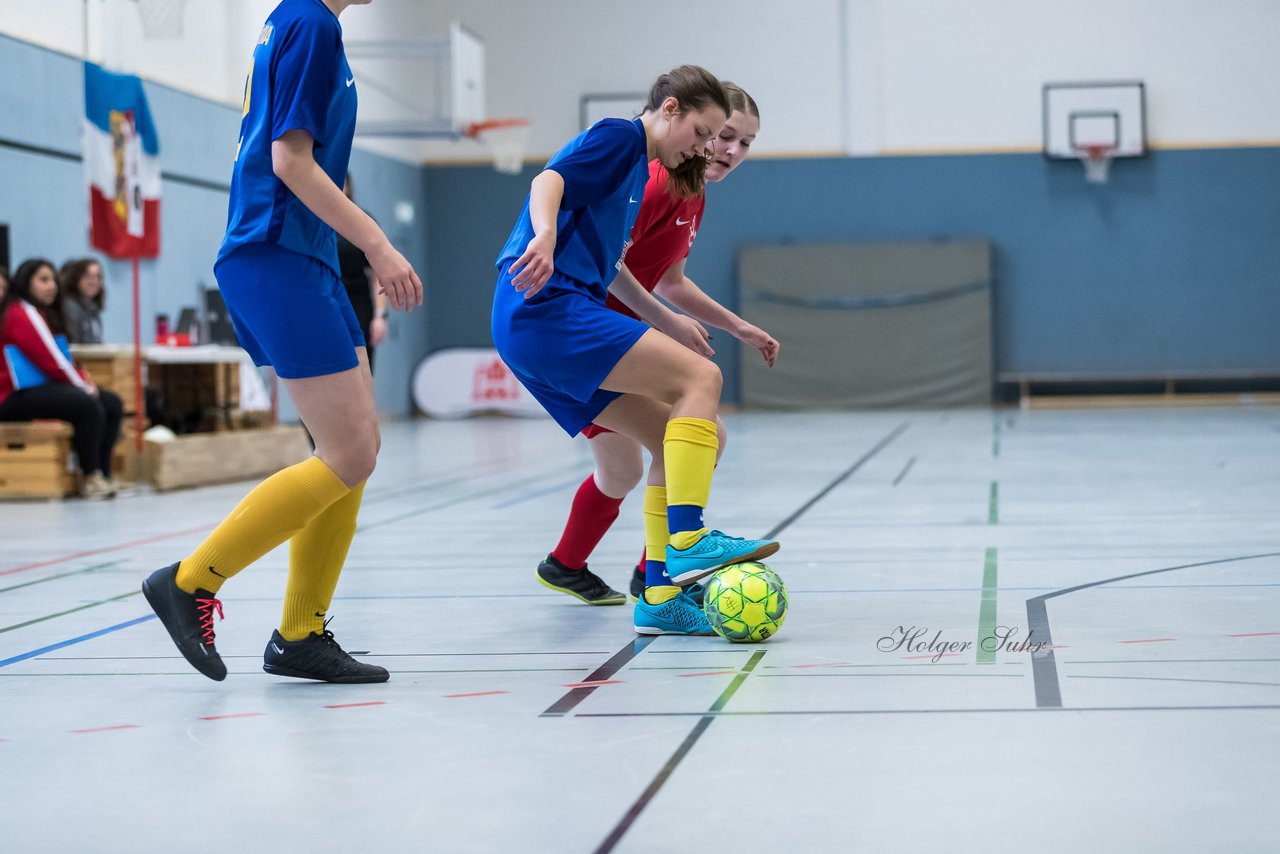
point(537, 493)
point(81, 639)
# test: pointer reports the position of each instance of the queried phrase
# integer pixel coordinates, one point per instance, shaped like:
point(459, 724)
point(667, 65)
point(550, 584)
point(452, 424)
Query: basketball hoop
point(506, 139)
point(1097, 161)
point(161, 19)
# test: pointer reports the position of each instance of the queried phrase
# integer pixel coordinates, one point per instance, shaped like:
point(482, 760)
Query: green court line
point(993, 508)
point(61, 575)
point(69, 611)
point(987, 610)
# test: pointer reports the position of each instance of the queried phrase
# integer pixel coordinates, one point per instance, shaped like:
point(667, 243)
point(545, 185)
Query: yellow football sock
point(316, 556)
point(689, 450)
point(655, 545)
point(274, 511)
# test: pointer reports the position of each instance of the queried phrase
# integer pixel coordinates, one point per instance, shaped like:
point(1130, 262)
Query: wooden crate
point(197, 459)
point(112, 372)
point(33, 460)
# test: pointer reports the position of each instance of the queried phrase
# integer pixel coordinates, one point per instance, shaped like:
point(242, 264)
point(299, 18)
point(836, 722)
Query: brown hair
point(694, 88)
point(739, 99)
point(69, 280)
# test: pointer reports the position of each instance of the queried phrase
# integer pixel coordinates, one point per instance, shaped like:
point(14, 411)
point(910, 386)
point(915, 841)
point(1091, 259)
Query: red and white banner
point(469, 380)
point(121, 165)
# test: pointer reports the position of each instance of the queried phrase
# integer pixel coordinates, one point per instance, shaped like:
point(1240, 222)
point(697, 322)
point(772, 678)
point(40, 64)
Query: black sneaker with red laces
point(188, 618)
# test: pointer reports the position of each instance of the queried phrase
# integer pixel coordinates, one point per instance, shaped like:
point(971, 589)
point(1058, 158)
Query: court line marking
point(993, 504)
point(80, 639)
point(96, 566)
point(1023, 710)
point(158, 538)
point(672, 763)
point(592, 683)
point(1044, 668)
point(1171, 679)
point(902, 474)
point(475, 694)
point(987, 609)
point(357, 705)
point(616, 662)
point(539, 493)
point(1148, 640)
point(706, 673)
point(229, 717)
point(104, 729)
point(47, 617)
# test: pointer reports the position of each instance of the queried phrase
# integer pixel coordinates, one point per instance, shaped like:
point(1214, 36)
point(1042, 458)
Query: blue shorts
point(561, 344)
point(290, 311)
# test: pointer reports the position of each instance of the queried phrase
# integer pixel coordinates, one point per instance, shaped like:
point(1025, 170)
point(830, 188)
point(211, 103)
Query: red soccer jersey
point(663, 233)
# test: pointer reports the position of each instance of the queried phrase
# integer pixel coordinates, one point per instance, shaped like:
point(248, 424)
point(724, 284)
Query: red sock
point(590, 516)
point(640, 566)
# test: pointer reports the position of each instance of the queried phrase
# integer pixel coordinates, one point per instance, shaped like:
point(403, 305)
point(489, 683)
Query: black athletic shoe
point(188, 618)
point(637, 583)
point(582, 583)
point(317, 656)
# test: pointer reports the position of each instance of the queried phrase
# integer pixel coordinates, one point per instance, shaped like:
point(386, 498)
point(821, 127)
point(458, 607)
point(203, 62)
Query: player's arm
point(679, 290)
point(294, 164)
point(685, 330)
point(537, 263)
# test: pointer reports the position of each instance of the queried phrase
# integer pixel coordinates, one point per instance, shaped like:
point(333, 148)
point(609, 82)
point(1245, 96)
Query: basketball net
point(506, 139)
point(161, 19)
point(1097, 162)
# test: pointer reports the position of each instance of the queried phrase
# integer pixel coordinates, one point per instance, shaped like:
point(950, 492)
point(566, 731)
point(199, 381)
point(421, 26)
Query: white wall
point(863, 76)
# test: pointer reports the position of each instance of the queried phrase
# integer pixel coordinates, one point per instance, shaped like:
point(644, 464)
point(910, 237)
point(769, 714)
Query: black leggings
point(96, 420)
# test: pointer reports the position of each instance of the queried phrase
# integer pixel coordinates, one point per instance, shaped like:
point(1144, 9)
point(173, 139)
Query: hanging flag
point(121, 165)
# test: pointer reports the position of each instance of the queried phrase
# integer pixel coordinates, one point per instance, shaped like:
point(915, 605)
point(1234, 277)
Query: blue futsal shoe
point(716, 549)
point(678, 616)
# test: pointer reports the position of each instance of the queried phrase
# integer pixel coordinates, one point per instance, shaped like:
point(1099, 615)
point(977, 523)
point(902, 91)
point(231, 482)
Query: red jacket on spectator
point(24, 327)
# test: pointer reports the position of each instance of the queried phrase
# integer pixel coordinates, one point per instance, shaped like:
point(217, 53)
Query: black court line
point(841, 478)
point(631, 650)
point(605, 671)
point(690, 740)
point(851, 712)
point(1044, 666)
point(484, 493)
point(897, 480)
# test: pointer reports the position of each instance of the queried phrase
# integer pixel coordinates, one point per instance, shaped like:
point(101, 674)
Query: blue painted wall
point(1172, 266)
point(45, 204)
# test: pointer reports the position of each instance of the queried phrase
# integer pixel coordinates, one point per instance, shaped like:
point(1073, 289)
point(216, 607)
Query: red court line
point(708, 673)
point(826, 664)
point(226, 717)
point(477, 694)
point(592, 684)
point(1150, 640)
point(356, 705)
point(91, 552)
point(1256, 635)
point(104, 728)
point(944, 655)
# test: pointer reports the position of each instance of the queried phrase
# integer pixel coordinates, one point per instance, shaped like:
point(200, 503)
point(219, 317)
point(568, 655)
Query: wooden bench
point(34, 460)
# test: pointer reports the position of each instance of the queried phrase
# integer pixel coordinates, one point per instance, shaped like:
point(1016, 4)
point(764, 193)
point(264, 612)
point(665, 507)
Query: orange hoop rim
point(476, 128)
point(1096, 153)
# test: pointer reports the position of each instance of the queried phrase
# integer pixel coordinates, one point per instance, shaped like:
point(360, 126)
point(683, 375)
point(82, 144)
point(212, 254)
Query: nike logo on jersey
point(351, 82)
point(634, 202)
point(680, 221)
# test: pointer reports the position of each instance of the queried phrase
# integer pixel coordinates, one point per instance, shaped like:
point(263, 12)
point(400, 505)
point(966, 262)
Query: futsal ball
point(746, 602)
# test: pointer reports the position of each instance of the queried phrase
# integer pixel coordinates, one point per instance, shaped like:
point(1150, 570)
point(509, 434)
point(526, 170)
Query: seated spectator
point(82, 300)
point(28, 323)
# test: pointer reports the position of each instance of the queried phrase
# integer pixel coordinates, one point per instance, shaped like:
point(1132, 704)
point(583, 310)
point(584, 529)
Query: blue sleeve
point(304, 67)
point(598, 166)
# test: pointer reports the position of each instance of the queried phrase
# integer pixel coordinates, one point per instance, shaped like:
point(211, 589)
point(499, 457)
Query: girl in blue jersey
point(278, 272)
point(586, 363)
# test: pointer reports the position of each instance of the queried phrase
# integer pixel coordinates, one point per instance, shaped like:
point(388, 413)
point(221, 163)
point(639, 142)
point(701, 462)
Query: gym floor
point(1126, 563)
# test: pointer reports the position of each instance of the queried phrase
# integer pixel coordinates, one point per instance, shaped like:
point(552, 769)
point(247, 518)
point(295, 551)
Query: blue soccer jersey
point(298, 79)
point(605, 169)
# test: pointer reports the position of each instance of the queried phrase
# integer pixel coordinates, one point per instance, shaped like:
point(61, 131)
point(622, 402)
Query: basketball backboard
point(447, 94)
point(1106, 115)
point(610, 105)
